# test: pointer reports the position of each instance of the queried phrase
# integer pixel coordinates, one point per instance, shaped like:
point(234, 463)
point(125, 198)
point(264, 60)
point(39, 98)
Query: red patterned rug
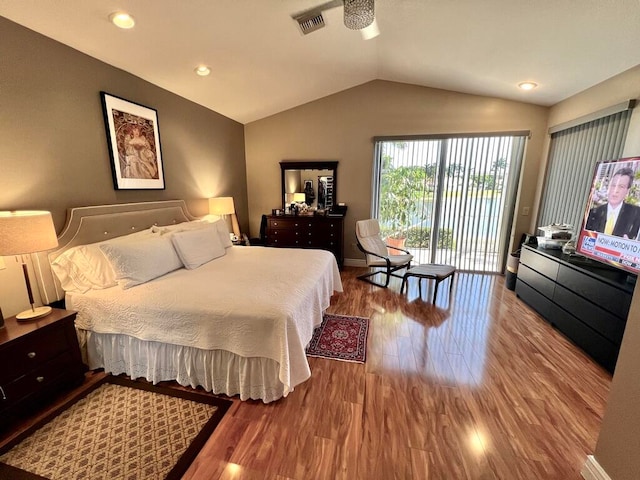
point(340, 337)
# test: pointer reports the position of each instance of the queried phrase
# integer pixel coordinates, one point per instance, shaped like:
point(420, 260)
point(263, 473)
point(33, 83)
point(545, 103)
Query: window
point(449, 199)
point(573, 154)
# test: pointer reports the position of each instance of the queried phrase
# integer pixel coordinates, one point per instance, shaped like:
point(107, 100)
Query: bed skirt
point(216, 371)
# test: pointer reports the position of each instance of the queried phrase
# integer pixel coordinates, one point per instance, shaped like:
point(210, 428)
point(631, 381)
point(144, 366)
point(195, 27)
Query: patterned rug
point(119, 430)
point(340, 337)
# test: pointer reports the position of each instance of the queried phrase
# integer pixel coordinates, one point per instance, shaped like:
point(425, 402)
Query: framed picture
point(133, 137)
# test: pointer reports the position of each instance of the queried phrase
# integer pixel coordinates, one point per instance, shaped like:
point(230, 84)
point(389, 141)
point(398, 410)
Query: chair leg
point(388, 274)
point(366, 278)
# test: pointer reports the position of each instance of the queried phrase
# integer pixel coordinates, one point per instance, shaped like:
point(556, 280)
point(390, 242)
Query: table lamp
point(297, 199)
point(223, 206)
point(23, 232)
point(2, 267)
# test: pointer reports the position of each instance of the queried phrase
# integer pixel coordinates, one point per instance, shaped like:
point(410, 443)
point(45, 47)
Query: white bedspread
point(254, 302)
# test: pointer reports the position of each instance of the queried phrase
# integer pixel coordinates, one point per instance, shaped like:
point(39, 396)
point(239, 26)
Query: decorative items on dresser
point(39, 358)
point(307, 231)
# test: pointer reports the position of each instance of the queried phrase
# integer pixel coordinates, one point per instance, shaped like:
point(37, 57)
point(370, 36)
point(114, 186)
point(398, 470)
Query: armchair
point(377, 255)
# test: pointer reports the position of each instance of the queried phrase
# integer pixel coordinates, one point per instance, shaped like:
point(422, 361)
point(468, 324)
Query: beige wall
point(53, 148)
point(341, 126)
point(618, 89)
point(619, 440)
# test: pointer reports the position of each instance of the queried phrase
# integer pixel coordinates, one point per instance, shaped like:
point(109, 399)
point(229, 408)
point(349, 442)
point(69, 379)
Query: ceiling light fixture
point(122, 20)
point(358, 14)
point(527, 85)
point(371, 31)
point(202, 70)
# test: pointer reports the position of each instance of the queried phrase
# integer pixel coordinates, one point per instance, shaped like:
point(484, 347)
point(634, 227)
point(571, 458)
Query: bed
point(236, 324)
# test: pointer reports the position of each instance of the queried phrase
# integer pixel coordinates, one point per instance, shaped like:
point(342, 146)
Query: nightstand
point(38, 359)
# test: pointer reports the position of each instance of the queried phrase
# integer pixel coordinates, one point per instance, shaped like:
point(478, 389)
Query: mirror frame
point(308, 165)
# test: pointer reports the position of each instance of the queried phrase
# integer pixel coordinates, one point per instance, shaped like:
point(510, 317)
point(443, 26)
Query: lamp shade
point(358, 14)
point(299, 197)
point(26, 231)
point(221, 206)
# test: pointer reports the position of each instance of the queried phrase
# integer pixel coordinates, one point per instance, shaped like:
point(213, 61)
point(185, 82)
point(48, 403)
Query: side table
point(39, 358)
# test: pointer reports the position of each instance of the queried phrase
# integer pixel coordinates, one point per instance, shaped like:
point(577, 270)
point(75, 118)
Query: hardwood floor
point(476, 387)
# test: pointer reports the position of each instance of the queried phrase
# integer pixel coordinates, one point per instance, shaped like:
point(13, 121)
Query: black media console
point(584, 299)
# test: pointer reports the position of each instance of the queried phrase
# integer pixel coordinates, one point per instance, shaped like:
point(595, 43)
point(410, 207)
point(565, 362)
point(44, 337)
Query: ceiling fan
point(358, 15)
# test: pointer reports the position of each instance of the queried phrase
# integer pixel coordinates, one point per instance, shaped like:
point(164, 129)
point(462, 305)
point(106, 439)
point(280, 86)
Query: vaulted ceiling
point(262, 64)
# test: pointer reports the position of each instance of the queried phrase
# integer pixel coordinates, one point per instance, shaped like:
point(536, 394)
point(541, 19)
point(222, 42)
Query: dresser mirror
point(315, 180)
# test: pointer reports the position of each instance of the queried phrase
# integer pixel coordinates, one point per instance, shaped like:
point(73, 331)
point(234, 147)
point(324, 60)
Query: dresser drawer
point(39, 358)
point(598, 292)
point(318, 228)
point(26, 354)
point(37, 380)
point(288, 241)
point(600, 348)
point(602, 321)
point(540, 263)
point(288, 223)
point(281, 237)
point(535, 280)
point(306, 232)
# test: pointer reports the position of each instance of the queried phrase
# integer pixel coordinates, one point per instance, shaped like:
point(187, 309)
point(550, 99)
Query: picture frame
point(133, 137)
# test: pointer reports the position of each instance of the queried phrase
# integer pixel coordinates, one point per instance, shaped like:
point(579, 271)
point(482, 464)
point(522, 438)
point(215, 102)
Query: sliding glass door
point(449, 199)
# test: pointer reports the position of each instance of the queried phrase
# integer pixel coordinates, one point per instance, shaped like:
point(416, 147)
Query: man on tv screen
point(616, 217)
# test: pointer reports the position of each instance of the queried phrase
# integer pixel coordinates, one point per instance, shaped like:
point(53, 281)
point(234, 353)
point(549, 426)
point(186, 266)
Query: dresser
point(584, 299)
point(323, 232)
point(38, 359)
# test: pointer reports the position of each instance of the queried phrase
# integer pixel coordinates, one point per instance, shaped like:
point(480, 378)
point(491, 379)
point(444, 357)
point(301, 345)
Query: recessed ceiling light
point(527, 85)
point(202, 70)
point(122, 20)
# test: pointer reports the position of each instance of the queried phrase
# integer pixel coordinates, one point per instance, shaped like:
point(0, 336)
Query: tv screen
point(611, 224)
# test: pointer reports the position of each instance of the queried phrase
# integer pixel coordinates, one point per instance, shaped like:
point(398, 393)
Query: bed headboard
point(97, 223)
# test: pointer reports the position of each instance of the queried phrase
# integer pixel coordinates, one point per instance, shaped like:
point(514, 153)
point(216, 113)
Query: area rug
point(121, 429)
point(340, 337)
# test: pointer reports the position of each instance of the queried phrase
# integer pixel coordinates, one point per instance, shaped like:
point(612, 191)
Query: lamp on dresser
point(296, 200)
point(223, 206)
point(24, 232)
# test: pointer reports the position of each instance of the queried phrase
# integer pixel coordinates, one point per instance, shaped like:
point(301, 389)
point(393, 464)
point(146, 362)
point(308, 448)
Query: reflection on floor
point(444, 350)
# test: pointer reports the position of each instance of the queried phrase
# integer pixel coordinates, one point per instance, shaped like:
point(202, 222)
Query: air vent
point(310, 22)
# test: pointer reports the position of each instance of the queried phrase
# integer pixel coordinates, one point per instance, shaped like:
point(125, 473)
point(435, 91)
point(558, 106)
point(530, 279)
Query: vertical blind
point(573, 155)
point(450, 196)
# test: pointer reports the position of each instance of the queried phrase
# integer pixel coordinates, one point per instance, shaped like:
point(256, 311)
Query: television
point(610, 230)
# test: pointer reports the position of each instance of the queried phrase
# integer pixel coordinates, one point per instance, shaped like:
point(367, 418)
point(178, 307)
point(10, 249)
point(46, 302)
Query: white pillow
point(197, 247)
point(85, 267)
point(221, 227)
point(180, 227)
point(143, 260)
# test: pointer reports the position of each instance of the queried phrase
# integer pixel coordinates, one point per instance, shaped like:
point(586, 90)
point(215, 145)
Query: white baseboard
point(354, 262)
point(591, 470)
